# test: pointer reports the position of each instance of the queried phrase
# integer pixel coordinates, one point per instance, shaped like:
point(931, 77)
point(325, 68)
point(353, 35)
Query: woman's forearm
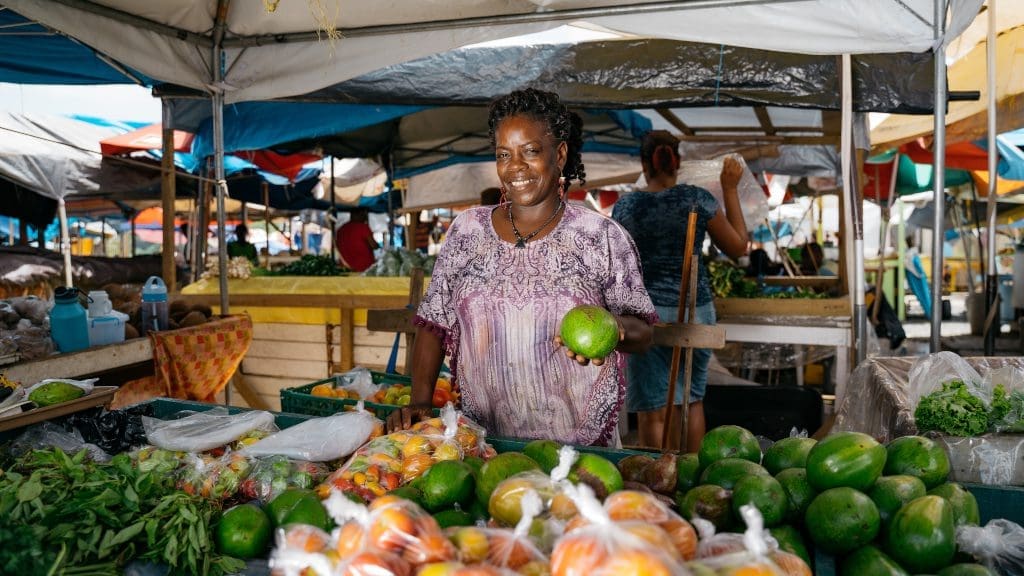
point(734, 213)
point(427, 357)
point(638, 335)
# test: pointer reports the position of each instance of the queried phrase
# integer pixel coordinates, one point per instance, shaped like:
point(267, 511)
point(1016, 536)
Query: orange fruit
point(578, 555)
point(350, 539)
point(754, 569)
point(562, 507)
point(323, 391)
point(577, 521)
point(683, 536)
point(507, 551)
point(376, 562)
point(430, 547)
point(637, 563)
point(653, 534)
point(306, 538)
point(392, 529)
point(443, 384)
point(472, 543)
point(791, 564)
point(635, 505)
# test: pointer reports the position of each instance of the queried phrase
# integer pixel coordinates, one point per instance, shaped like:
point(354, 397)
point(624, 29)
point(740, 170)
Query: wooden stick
point(684, 286)
point(688, 366)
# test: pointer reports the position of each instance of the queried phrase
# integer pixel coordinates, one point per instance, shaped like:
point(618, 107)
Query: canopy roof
point(288, 51)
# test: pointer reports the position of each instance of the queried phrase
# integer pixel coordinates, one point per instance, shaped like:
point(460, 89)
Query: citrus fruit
point(243, 532)
point(787, 453)
point(308, 510)
point(727, 471)
point(798, 491)
point(917, 456)
point(590, 331)
point(729, 442)
point(849, 459)
point(600, 474)
point(411, 493)
point(544, 453)
point(764, 493)
point(921, 535)
point(965, 506)
point(279, 507)
point(840, 520)
point(890, 493)
point(499, 468)
point(447, 483)
point(870, 560)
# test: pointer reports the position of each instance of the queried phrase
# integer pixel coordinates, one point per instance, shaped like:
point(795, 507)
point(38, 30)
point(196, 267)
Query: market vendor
point(507, 274)
point(242, 247)
point(355, 241)
point(657, 220)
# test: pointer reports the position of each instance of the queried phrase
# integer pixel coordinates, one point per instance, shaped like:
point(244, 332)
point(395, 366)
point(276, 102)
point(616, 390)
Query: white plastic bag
point(929, 373)
point(360, 381)
point(999, 545)
point(86, 385)
point(706, 174)
point(205, 430)
point(320, 439)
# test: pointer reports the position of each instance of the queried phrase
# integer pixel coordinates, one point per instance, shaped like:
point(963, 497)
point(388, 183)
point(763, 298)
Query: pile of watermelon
point(880, 510)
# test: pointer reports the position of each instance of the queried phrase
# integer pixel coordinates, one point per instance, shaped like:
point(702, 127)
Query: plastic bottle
point(68, 326)
point(99, 303)
point(154, 305)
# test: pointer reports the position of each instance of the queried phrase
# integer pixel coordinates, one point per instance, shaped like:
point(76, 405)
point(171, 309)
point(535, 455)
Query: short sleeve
point(625, 293)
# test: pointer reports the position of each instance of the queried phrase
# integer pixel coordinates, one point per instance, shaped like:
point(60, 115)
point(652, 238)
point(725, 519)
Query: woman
point(657, 220)
point(506, 275)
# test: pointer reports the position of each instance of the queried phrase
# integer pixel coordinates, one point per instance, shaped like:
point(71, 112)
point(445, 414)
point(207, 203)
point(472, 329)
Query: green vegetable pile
point(311, 265)
point(67, 515)
point(952, 409)
point(400, 262)
point(1010, 415)
point(728, 281)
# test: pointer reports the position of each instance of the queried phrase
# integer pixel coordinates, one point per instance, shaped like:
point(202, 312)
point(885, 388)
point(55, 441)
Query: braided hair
point(660, 151)
point(565, 125)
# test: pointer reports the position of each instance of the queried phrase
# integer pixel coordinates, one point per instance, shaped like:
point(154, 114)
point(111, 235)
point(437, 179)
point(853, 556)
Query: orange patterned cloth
point(191, 363)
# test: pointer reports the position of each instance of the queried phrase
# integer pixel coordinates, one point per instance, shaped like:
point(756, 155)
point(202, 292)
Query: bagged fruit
point(999, 545)
point(204, 431)
point(321, 439)
point(505, 506)
point(213, 477)
point(302, 550)
point(272, 475)
point(754, 556)
point(512, 550)
point(153, 459)
point(600, 546)
point(393, 460)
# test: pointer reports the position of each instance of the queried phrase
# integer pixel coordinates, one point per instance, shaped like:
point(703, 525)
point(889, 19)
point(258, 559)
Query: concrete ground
point(956, 332)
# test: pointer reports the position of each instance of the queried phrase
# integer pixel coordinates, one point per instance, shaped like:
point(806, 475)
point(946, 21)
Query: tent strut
point(939, 178)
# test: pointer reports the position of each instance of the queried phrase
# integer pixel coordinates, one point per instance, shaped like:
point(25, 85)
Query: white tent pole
point(854, 207)
point(218, 155)
point(65, 240)
point(992, 281)
point(939, 179)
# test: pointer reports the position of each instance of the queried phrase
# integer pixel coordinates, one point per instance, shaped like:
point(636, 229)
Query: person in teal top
point(242, 247)
point(656, 218)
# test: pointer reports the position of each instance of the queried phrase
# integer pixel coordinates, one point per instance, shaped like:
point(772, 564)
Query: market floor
point(956, 333)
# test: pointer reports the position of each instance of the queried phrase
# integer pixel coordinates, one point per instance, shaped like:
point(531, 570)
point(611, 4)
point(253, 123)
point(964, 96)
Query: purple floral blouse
point(498, 309)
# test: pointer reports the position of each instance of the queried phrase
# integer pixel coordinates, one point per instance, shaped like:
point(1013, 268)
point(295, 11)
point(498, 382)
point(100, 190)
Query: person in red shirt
point(355, 242)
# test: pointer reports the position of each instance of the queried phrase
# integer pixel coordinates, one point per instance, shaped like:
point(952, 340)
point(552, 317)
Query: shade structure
point(146, 138)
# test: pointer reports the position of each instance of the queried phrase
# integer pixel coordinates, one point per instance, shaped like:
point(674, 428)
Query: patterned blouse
point(498, 309)
point(657, 223)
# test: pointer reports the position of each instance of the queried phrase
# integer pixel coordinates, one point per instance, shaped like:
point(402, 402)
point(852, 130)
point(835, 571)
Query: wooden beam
point(675, 121)
point(346, 341)
point(397, 320)
point(88, 361)
point(765, 120)
point(167, 191)
point(756, 130)
point(802, 281)
point(689, 336)
point(300, 300)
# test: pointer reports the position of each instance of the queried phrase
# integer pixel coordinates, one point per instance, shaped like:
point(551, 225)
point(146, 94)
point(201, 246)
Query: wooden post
point(346, 340)
point(415, 295)
point(167, 184)
point(673, 373)
point(266, 221)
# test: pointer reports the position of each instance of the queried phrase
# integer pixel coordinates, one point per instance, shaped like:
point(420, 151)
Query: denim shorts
point(647, 374)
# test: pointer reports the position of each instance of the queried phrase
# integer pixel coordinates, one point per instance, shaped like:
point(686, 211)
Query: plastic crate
point(300, 400)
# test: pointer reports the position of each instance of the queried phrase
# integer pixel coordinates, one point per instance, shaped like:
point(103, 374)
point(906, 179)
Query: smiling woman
point(506, 276)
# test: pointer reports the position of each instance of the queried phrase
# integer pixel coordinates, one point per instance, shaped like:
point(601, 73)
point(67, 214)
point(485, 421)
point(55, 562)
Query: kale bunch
point(953, 410)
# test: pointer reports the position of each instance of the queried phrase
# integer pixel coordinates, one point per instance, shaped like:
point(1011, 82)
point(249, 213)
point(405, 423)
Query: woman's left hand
point(583, 360)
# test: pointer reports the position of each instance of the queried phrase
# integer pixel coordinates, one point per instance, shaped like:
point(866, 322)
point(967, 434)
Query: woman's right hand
point(732, 173)
point(406, 416)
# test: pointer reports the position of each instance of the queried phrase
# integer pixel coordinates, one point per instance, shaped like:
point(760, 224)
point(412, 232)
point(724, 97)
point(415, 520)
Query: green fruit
point(308, 510)
point(410, 493)
point(478, 510)
point(791, 541)
point(279, 507)
point(840, 520)
point(965, 570)
point(965, 506)
point(499, 468)
point(890, 493)
point(54, 393)
point(447, 483)
point(849, 459)
point(710, 502)
point(728, 471)
point(764, 493)
point(688, 471)
point(787, 453)
point(243, 532)
point(543, 452)
point(869, 560)
point(729, 442)
point(799, 493)
point(917, 456)
point(474, 462)
point(590, 331)
point(921, 535)
point(598, 473)
point(453, 517)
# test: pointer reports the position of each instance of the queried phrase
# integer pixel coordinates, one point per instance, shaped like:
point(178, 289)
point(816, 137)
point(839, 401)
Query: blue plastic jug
point(68, 325)
point(154, 305)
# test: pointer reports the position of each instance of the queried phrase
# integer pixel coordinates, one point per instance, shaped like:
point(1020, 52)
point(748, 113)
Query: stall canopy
point(288, 51)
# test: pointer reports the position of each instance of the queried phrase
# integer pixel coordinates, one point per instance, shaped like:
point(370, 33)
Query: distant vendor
point(355, 241)
point(242, 247)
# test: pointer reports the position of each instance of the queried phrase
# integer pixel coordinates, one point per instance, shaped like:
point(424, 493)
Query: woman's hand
point(583, 360)
point(732, 172)
point(406, 416)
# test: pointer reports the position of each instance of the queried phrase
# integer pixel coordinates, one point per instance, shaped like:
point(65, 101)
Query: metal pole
point(65, 240)
point(853, 204)
point(939, 180)
point(334, 212)
point(992, 279)
point(218, 176)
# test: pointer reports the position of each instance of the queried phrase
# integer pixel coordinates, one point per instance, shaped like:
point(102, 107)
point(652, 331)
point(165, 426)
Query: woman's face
point(528, 159)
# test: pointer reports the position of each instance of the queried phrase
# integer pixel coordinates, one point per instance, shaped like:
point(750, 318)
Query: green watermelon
point(787, 453)
point(921, 536)
point(840, 520)
point(965, 506)
point(890, 493)
point(849, 459)
point(917, 456)
point(728, 442)
point(966, 570)
point(710, 502)
point(870, 561)
point(764, 493)
point(799, 493)
point(727, 471)
point(791, 541)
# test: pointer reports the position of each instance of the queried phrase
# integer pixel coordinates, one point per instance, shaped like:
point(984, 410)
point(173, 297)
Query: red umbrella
point(146, 138)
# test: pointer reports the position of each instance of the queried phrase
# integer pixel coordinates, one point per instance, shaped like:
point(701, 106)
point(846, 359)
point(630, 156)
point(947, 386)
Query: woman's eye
point(502, 155)
point(532, 151)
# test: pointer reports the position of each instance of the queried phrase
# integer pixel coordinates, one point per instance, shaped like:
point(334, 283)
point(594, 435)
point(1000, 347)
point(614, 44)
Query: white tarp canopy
point(287, 52)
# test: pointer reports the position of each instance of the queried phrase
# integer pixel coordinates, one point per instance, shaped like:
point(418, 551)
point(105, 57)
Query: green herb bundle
point(92, 518)
point(954, 410)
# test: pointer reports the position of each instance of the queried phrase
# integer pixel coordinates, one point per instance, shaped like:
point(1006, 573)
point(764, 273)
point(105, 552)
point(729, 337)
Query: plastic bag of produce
point(930, 372)
point(601, 546)
point(360, 381)
point(999, 545)
point(390, 461)
point(151, 458)
point(506, 504)
point(272, 475)
point(1007, 387)
point(320, 439)
point(755, 550)
point(84, 385)
point(513, 550)
point(213, 477)
point(204, 431)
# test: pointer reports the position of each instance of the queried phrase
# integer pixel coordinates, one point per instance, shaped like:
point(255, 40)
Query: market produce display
point(308, 265)
point(400, 262)
point(730, 281)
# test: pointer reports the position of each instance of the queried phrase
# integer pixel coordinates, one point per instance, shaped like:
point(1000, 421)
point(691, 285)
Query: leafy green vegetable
point(310, 265)
point(952, 409)
point(1011, 413)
